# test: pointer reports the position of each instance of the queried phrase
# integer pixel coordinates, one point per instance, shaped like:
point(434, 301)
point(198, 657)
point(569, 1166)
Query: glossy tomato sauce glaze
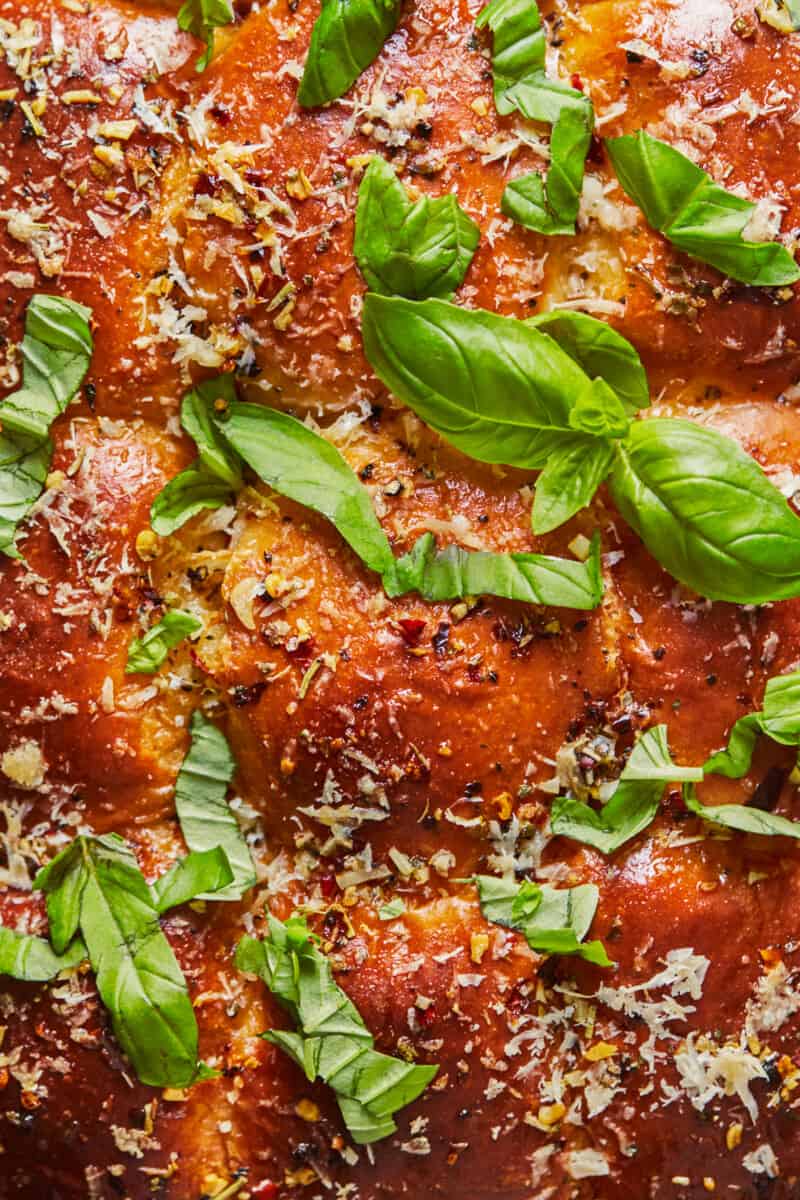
point(548, 1088)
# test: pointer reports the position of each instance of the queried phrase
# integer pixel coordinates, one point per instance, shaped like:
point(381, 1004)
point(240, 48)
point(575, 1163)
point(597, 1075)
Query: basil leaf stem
point(707, 512)
point(416, 250)
point(56, 351)
point(201, 18)
point(147, 653)
point(549, 205)
point(694, 213)
point(206, 819)
point(633, 805)
point(553, 920)
point(332, 1042)
point(347, 36)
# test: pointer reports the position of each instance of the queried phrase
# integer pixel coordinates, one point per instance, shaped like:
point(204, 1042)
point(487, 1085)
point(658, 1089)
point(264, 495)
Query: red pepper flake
point(206, 185)
point(411, 629)
point(264, 1191)
point(222, 114)
point(576, 82)
point(328, 886)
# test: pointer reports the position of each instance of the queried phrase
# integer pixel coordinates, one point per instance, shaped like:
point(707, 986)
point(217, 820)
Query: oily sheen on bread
point(390, 748)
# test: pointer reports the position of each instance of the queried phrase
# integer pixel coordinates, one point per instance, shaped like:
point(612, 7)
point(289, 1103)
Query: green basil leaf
point(707, 512)
point(147, 653)
point(532, 578)
point(404, 249)
point(300, 464)
point(633, 805)
point(216, 475)
point(497, 389)
point(567, 484)
point(553, 920)
point(598, 411)
point(193, 490)
point(742, 818)
point(56, 351)
point(202, 17)
point(694, 213)
point(206, 818)
point(32, 960)
point(520, 84)
point(201, 875)
point(332, 1042)
point(600, 351)
point(138, 977)
point(735, 760)
point(779, 720)
point(347, 36)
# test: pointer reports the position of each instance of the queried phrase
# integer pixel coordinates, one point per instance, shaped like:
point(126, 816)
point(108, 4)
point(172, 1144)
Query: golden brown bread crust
point(453, 719)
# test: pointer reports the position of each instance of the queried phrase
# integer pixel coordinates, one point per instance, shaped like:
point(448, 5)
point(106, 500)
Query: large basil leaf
point(600, 351)
point(694, 213)
point(495, 387)
point(31, 959)
point(347, 36)
point(332, 1042)
point(404, 249)
point(553, 920)
point(742, 818)
point(532, 578)
point(300, 464)
point(206, 818)
point(56, 351)
point(147, 653)
point(520, 84)
point(633, 805)
point(567, 484)
point(707, 512)
point(216, 475)
point(96, 884)
point(202, 17)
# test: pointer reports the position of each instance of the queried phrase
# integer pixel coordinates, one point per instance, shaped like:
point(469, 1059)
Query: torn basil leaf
point(531, 578)
point(410, 249)
point(634, 803)
point(56, 351)
point(347, 36)
point(201, 875)
point(216, 475)
point(32, 959)
point(778, 720)
point(331, 1042)
point(741, 817)
point(550, 205)
point(201, 18)
point(696, 214)
point(95, 886)
point(147, 653)
point(707, 512)
point(302, 465)
point(206, 818)
point(553, 920)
